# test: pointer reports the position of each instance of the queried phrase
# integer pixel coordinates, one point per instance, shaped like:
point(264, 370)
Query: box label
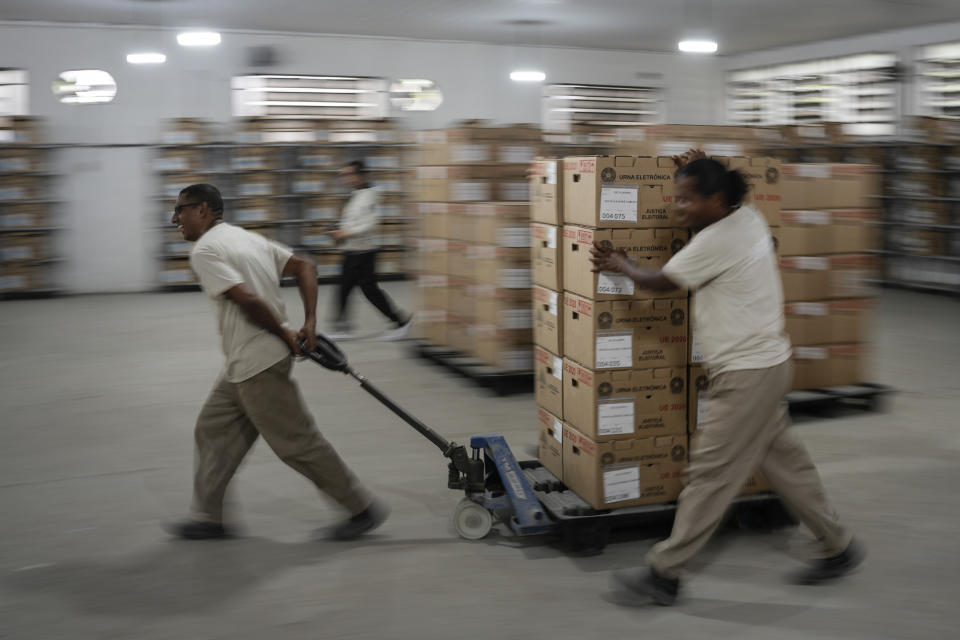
point(702, 410)
point(808, 308)
point(471, 191)
point(517, 319)
point(553, 305)
point(620, 485)
point(551, 173)
point(615, 418)
point(515, 237)
point(515, 278)
point(558, 368)
point(812, 264)
point(614, 284)
point(470, 153)
point(552, 238)
point(696, 351)
point(810, 353)
point(558, 431)
point(614, 350)
point(619, 204)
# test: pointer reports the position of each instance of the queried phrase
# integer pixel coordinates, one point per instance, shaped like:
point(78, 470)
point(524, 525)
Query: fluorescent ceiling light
point(698, 46)
point(528, 76)
point(146, 58)
point(198, 38)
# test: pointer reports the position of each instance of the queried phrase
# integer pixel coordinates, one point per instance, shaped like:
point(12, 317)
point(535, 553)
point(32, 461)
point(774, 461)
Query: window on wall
point(296, 96)
point(14, 93)
point(568, 105)
point(862, 91)
point(938, 72)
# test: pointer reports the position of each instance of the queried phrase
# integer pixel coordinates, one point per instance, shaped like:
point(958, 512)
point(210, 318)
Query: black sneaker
point(833, 567)
point(197, 530)
point(649, 584)
point(364, 522)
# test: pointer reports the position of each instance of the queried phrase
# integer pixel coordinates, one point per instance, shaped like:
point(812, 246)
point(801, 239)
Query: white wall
point(903, 42)
point(107, 192)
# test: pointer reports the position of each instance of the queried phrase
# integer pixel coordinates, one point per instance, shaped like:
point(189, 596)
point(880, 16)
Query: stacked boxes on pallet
point(826, 238)
point(474, 254)
point(611, 359)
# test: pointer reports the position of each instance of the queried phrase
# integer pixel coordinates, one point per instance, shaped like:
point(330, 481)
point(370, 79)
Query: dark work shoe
point(649, 584)
point(833, 567)
point(197, 530)
point(364, 522)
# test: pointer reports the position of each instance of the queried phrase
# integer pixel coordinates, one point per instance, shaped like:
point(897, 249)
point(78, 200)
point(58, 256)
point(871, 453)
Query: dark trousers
point(360, 269)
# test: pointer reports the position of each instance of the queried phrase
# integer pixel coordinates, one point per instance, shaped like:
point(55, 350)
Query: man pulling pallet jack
point(731, 268)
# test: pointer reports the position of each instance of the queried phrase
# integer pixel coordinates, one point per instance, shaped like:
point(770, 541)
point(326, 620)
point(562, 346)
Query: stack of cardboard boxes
point(617, 376)
point(474, 250)
point(826, 238)
point(610, 359)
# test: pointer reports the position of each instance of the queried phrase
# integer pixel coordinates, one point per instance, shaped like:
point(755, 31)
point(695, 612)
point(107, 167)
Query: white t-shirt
point(360, 217)
point(224, 257)
point(732, 270)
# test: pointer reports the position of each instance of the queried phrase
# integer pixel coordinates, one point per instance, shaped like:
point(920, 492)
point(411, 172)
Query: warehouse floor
point(99, 395)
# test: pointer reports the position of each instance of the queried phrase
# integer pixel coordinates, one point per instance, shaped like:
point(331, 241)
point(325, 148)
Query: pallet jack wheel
point(472, 521)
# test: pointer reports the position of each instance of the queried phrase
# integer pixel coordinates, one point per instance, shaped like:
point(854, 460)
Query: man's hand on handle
point(606, 259)
point(308, 334)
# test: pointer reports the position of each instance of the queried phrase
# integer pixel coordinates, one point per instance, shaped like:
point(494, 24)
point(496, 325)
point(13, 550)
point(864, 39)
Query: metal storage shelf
point(30, 229)
point(32, 262)
point(906, 254)
point(919, 198)
point(919, 225)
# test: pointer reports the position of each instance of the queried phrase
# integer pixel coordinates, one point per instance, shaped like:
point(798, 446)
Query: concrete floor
point(99, 395)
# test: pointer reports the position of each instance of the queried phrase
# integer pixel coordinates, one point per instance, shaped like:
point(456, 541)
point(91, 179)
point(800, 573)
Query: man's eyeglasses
point(180, 207)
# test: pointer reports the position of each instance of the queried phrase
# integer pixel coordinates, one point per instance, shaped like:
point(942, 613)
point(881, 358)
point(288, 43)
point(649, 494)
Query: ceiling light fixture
point(198, 38)
point(146, 58)
point(528, 76)
point(697, 46)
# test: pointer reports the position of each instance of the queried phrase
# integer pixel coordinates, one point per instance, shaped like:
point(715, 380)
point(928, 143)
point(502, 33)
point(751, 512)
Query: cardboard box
point(502, 349)
point(546, 191)
point(433, 327)
point(624, 473)
point(651, 248)
point(437, 218)
point(19, 187)
point(548, 380)
point(254, 158)
point(26, 215)
point(24, 277)
point(550, 442)
point(828, 365)
point(810, 278)
point(179, 159)
point(185, 131)
point(806, 233)
point(919, 212)
point(317, 158)
point(917, 242)
point(505, 268)
point(174, 244)
point(808, 323)
point(764, 177)
point(255, 210)
point(546, 253)
point(547, 319)
point(432, 291)
point(930, 129)
point(849, 320)
point(504, 308)
point(625, 334)
point(471, 183)
point(612, 405)
point(175, 272)
point(829, 186)
point(23, 247)
point(323, 209)
point(853, 230)
point(432, 256)
point(616, 192)
point(504, 224)
point(21, 130)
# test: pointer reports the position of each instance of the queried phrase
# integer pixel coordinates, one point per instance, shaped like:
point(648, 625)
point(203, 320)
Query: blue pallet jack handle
point(528, 517)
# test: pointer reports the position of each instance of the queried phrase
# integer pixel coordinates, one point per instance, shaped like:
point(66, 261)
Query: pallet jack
point(524, 495)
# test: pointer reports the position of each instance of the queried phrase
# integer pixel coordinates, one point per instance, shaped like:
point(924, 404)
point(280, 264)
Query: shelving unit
point(29, 226)
point(289, 191)
point(920, 204)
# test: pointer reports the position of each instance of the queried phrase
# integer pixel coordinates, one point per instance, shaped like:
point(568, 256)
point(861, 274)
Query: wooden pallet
point(500, 382)
point(867, 395)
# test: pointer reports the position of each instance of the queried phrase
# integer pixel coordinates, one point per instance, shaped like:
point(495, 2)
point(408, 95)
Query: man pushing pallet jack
point(731, 268)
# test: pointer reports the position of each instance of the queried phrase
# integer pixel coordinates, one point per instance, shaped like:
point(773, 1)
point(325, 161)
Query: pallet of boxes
point(611, 376)
point(827, 235)
point(474, 250)
point(617, 385)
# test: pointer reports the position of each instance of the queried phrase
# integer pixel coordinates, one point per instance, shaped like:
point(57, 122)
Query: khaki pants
point(746, 427)
point(270, 405)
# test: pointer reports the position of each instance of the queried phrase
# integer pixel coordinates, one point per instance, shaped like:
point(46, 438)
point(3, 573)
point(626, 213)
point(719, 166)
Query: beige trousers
point(270, 405)
point(746, 427)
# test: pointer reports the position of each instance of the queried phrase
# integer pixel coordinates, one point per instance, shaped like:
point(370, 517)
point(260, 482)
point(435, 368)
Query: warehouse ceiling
point(644, 25)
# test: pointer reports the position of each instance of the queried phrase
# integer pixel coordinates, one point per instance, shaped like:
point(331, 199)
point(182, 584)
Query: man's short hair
point(205, 193)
